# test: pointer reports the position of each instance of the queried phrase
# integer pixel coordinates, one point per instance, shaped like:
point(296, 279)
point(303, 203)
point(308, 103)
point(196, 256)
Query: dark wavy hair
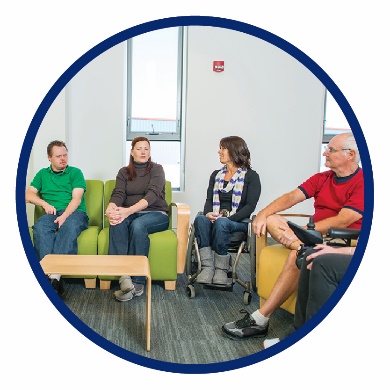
point(55, 143)
point(238, 151)
point(131, 172)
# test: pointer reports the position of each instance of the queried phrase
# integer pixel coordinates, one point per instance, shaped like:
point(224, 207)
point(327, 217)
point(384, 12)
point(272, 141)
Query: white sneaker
point(270, 342)
point(123, 297)
point(126, 284)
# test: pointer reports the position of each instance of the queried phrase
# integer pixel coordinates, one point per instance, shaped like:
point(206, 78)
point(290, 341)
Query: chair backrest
point(110, 185)
point(93, 201)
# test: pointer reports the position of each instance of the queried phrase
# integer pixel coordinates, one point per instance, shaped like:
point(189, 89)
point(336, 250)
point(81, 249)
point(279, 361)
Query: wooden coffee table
point(110, 265)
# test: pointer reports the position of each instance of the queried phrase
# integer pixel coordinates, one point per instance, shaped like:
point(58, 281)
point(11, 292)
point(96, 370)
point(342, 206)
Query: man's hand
point(323, 249)
point(259, 225)
point(60, 220)
point(49, 209)
point(287, 236)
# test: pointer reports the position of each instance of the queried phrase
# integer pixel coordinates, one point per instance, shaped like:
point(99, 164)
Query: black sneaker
point(244, 328)
point(138, 289)
point(58, 286)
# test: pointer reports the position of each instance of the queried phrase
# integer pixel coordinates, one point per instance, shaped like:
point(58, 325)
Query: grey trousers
point(315, 286)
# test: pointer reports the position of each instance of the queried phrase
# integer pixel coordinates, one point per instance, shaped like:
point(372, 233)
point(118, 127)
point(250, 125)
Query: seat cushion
point(236, 238)
point(88, 240)
point(162, 254)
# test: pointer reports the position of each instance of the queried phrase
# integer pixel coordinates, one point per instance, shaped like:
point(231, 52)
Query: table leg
point(148, 311)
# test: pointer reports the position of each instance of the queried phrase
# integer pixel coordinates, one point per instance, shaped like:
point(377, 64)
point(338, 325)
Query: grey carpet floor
point(183, 330)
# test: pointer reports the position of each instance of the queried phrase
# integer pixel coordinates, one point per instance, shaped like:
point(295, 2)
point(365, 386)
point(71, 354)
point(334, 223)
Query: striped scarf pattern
point(236, 184)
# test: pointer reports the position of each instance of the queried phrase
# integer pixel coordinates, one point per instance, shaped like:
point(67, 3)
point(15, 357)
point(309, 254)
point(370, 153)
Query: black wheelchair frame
point(334, 236)
point(239, 243)
point(311, 237)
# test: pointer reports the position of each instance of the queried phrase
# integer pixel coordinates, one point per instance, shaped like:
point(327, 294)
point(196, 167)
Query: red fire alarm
point(219, 66)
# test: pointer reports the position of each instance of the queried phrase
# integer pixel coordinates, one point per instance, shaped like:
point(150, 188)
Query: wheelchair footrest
point(224, 287)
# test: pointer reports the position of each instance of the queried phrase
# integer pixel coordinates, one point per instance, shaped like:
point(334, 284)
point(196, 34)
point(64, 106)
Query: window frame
point(178, 134)
point(326, 134)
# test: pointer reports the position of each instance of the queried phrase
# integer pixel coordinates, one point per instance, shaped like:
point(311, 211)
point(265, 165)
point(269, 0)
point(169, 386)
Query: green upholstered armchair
point(167, 250)
point(88, 239)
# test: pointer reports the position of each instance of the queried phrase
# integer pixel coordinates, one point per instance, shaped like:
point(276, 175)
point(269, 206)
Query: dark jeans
point(48, 239)
point(131, 236)
point(217, 234)
point(315, 286)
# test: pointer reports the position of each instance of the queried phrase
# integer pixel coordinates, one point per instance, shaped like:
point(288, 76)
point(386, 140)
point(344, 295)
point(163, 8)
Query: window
point(334, 123)
point(334, 119)
point(155, 97)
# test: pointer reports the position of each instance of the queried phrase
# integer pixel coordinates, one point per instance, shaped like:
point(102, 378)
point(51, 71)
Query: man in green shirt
point(59, 189)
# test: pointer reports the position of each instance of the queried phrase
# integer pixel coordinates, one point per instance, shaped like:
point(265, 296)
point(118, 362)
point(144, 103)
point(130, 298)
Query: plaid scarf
point(236, 183)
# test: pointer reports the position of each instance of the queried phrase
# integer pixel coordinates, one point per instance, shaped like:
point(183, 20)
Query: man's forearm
point(280, 204)
point(72, 207)
point(35, 199)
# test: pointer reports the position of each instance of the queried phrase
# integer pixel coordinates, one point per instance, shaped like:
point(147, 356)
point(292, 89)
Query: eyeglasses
point(332, 150)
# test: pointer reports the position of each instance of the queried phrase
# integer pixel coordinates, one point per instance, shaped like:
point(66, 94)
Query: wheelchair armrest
point(342, 236)
point(343, 233)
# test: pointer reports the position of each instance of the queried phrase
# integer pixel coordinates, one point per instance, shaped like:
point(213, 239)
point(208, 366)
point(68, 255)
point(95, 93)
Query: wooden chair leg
point(90, 283)
point(105, 284)
point(170, 284)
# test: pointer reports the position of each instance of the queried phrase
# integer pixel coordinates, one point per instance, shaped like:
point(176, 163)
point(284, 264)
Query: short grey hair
point(350, 143)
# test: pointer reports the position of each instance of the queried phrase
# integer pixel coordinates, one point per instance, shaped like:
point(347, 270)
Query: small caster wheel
point(247, 297)
point(191, 291)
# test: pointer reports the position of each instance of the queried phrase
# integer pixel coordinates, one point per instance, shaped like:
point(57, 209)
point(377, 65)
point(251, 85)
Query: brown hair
point(238, 151)
point(131, 172)
point(55, 143)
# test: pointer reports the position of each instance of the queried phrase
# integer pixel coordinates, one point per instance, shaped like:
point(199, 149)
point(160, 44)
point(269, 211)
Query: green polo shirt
point(56, 188)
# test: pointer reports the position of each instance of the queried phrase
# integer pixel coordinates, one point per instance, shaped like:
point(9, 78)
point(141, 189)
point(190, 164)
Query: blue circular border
point(193, 21)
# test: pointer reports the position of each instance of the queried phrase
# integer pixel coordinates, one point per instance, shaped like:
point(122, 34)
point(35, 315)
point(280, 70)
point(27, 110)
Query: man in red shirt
point(338, 202)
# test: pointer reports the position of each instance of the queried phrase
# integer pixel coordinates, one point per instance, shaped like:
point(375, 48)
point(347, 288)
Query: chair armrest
point(182, 228)
point(295, 215)
point(261, 243)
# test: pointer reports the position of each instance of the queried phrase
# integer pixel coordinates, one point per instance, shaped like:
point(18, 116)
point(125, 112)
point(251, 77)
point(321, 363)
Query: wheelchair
point(239, 243)
point(311, 237)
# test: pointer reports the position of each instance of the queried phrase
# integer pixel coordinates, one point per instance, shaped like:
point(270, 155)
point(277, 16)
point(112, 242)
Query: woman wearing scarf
point(232, 196)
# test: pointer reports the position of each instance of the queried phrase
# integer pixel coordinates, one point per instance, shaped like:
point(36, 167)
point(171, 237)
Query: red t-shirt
point(332, 193)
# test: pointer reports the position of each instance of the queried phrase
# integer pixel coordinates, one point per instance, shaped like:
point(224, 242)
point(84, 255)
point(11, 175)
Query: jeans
point(216, 234)
point(48, 239)
point(131, 237)
point(315, 286)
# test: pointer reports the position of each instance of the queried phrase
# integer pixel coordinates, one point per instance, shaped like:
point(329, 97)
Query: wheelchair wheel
point(191, 291)
point(190, 255)
point(247, 297)
point(252, 256)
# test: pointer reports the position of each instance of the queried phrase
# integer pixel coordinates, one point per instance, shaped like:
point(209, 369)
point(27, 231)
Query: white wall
point(264, 95)
point(52, 127)
point(97, 115)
